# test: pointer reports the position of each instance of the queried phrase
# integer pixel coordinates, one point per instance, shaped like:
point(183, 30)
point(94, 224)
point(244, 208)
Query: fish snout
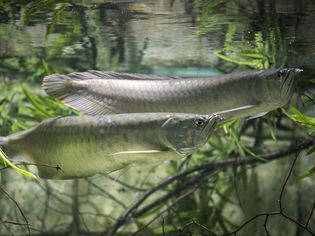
point(289, 78)
point(216, 118)
point(297, 70)
point(287, 71)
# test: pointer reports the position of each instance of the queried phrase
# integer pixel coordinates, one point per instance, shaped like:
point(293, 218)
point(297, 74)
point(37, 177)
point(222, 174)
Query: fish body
point(69, 147)
point(235, 95)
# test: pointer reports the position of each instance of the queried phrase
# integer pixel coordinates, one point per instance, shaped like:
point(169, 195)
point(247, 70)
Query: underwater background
point(187, 38)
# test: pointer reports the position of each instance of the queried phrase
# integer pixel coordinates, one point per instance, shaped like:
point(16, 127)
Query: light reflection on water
point(148, 35)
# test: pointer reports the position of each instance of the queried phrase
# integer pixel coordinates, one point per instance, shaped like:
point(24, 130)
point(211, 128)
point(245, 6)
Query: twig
point(280, 212)
point(209, 166)
point(265, 225)
point(107, 193)
point(197, 180)
point(203, 227)
point(57, 167)
point(249, 221)
point(17, 205)
point(132, 210)
point(165, 210)
point(124, 184)
point(13, 223)
point(193, 222)
point(310, 216)
point(285, 183)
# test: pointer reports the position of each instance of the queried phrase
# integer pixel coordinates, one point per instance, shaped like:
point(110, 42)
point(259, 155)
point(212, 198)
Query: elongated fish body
point(85, 145)
point(234, 95)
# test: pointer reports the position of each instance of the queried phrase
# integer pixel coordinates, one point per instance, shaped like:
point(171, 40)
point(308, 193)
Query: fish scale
point(86, 145)
point(234, 95)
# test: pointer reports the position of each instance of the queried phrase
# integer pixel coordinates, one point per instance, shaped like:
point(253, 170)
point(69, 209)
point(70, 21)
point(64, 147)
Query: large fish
point(69, 147)
point(235, 95)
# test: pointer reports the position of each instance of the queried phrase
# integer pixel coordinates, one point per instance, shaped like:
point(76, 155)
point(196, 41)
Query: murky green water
point(164, 37)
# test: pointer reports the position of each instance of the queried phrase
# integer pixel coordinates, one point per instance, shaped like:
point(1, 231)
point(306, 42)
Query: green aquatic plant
point(214, 15)
point(260, 53)
point(43, 107)
point(30, 9)
point(244, 44)
point(6, 162)
point(308, 122)
point(298, 117)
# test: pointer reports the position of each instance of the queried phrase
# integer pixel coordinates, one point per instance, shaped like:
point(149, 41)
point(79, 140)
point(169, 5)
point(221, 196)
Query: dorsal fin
point(95, 74)
point(75, 94)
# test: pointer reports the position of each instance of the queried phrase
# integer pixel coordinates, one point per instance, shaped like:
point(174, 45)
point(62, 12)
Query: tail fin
point(57, 85)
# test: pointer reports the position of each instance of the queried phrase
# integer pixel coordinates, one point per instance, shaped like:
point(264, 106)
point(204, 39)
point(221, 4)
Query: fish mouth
point(212, 122)
point(288, 82)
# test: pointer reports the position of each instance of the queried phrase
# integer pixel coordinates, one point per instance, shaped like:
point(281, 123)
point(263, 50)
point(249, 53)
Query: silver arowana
point(85, 145)
point(248, 93)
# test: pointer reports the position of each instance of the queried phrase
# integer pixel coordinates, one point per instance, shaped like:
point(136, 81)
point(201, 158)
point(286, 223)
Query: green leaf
point(298, 117)
point(45, 65)
point(272, 133)
point(167, 228)
point(312, 150)
point(307, 174)
point(9, 163)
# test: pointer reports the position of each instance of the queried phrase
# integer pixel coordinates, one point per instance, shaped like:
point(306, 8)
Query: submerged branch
point(211, 167)
point(20, 210)
point(280, 212)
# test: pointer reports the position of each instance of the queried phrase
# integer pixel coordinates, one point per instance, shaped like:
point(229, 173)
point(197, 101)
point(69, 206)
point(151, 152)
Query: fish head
point(276, 85)
point(187, 133)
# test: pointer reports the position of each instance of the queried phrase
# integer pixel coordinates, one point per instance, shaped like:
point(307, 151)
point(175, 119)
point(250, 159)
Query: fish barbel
point(235, 95)
point(85, 145)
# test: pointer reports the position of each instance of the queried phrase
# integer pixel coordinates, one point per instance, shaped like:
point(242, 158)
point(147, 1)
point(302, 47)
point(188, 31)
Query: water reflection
point(131, 35)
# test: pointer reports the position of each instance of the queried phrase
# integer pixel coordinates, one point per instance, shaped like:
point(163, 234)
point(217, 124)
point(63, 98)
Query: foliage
point(6, 161)
point(244, 45)
point(298, 117)
point(259, 53)
point(214, 14)
point(308, 122)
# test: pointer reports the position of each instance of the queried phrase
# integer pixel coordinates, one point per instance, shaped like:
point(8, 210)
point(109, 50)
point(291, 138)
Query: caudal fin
point(57, 85)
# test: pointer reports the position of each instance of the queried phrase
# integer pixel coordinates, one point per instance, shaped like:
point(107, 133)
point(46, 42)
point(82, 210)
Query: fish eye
point(200, 122)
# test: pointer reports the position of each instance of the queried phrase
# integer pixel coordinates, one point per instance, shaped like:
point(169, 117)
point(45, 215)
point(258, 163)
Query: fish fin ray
point(88, 104)
point(57, 85)
point(125, 76)
point(60, 86)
